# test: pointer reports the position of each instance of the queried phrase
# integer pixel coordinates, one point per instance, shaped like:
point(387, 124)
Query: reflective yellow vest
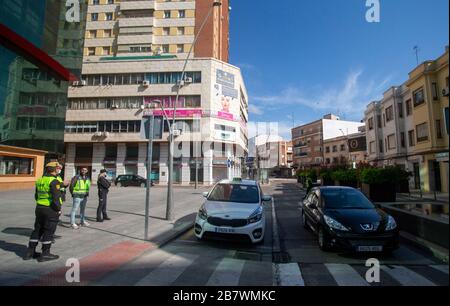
point(81, 187)
point(44, 196)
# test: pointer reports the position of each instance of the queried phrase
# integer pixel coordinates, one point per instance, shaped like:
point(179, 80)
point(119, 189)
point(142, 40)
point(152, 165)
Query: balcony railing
point(137, 5)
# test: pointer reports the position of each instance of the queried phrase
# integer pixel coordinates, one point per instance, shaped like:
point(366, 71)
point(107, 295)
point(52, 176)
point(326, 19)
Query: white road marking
point(442, 268)
point(275, 236)
point(289, 275)
point(227, 273)
point(406, 277)
point(168, 271)
point(345, 275)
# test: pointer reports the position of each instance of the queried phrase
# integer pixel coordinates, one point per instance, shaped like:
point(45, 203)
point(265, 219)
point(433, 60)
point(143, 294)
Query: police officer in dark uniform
point(48, 209)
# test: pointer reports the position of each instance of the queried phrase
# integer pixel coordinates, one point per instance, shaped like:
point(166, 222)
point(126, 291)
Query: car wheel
point(142, 185)
point(119, 184)
point(324, 243)
point(304, 221)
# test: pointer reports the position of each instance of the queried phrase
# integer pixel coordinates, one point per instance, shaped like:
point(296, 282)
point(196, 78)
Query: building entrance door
point(416, 175)
point(436, 172)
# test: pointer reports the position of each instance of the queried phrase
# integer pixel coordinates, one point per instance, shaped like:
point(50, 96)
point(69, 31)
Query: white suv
point(233, 210)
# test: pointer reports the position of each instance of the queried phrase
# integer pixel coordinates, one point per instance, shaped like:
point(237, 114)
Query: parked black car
point(343, 217)
point(127, 180)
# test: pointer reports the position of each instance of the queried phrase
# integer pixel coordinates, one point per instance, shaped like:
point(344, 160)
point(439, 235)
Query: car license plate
point(375, 248)
point(224, 230)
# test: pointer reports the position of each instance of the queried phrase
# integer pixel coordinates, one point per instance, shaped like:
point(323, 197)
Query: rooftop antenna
point(416, 50)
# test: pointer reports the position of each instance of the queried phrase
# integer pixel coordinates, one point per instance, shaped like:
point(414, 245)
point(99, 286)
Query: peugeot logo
point(367, 227)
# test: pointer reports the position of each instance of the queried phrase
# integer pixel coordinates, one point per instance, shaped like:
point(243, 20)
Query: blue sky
point(304, 58)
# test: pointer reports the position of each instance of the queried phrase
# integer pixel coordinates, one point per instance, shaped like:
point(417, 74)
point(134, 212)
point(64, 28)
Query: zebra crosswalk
point(187, 269)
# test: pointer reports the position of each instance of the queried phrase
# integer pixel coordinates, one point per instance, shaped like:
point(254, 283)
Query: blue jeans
point(78, 203)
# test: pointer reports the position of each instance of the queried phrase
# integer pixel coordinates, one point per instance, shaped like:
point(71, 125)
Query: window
point(438, 129)
point(110, 1)
point(391, 142)
point(328, 161)
point(335, 160)
point(180, 31)
point(335, 149)
point(92, 34)
point(384, 120)
point(400, 109)
point(379, 121)
point(132, 151)
point(422, 132)
point(166, 31)
point(411, 138)
point(94, 17)
point(108, 16)
point(106, 33)
point(166, 14)
point(11, 165)
point(418, 97)
point(181, 14)
point(408, 108)
point(165, 48)
point(111, 151)
point(106, 51)
point(402, 139)
point(180, 48)
point(342, 147)
point(372, 147)
point(380, 144)
point(327, 149)
point(370, 123)
point(95, 2)
point(435, 91)
point(389, 113)
point(91, 51)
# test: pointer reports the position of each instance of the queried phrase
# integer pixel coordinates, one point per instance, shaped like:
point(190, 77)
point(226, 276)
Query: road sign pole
point(149, 173)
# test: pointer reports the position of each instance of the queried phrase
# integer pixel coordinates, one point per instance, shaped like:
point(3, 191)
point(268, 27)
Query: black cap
point(103, 171)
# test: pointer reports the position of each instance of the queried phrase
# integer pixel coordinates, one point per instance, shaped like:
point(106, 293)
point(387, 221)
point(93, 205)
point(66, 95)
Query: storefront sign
point(442, 157)
point(225, 116)
point(357, 144)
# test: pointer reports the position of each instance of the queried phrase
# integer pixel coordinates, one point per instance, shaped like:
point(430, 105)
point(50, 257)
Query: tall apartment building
point(134, 54)
point(308, 139)
point(409, 126)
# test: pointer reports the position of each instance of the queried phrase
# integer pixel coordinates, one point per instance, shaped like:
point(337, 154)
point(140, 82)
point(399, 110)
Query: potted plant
point(379, 184)
point(345, 177)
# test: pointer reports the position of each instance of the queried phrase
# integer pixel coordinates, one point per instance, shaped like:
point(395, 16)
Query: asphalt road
point(294, 258)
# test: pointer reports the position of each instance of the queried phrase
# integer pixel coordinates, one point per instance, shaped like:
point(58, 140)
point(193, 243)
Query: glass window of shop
point(12, 165)
point(33, 101)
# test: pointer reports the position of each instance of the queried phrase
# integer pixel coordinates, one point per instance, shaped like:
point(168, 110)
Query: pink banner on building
point(225, 116)
point(179, 113)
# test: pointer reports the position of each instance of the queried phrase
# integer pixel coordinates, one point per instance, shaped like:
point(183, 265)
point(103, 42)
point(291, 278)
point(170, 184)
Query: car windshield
point(345, 199)
point(234, 193)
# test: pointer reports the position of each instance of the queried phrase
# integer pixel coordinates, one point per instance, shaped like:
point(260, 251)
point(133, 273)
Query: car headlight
point(391, 224)
point(202, 213)
point(256, 215)
point(334, 224)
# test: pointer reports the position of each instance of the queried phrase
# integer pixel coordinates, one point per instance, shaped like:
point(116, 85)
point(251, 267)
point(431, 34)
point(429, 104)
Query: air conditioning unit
point(146, 83)
point(176, 133)
point(105, 134)
point(188, 80)
point(98, 134)
point(445, 92)
point(114, 106)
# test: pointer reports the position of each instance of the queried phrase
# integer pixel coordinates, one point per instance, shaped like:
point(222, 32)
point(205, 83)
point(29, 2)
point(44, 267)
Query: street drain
point(248, 256)
point(281, 257)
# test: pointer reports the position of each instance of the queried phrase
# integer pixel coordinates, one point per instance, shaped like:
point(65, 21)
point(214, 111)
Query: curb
point(428, 247)
point(174, 234)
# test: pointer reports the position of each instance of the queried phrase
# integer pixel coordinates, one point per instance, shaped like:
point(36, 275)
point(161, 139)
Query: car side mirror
point(205, 194)
point(267, 198)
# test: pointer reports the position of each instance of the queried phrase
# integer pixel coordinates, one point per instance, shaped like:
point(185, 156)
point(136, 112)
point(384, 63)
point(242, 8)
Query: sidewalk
point(415, 195)
point(111, 243)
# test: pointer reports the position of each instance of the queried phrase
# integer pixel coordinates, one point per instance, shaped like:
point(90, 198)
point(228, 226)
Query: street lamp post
point(169, 208)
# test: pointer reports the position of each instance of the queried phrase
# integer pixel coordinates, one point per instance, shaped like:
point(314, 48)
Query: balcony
point(137, 5)
point(301, 154)
point(301, 144)
point(136, 22)
point(135, 39)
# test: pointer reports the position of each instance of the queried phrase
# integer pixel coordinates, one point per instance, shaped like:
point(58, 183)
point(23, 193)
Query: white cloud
point(276, 128)
point(255, 109)
point(349, 98)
